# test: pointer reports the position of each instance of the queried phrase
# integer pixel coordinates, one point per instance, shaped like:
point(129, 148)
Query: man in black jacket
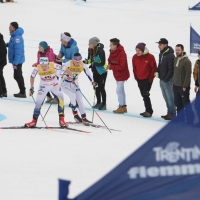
point(3, 62)
point(165, 72)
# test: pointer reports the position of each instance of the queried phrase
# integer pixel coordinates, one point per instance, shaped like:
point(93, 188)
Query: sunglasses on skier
point(44, 60)
point(77, 58)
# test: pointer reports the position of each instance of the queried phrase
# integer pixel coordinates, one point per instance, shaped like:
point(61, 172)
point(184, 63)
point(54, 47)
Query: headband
point(65, 37)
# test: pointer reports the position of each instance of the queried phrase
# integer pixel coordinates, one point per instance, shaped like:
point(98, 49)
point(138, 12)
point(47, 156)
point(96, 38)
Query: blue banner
point(194, 41)
point(63, 189)
point(196, 7)
point(167, 167)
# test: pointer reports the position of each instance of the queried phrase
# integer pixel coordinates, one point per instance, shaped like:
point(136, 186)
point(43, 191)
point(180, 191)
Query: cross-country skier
point(69, 85)
point(48, 83)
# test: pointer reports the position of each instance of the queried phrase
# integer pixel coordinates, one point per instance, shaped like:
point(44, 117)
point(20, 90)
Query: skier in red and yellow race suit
point(48, 72)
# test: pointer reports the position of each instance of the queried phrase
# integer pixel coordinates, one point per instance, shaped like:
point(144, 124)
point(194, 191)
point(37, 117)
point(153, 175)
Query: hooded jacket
point(3, 52)
point(182, 71)
point(99, 61)
point(48, 53)
point(16, 47)
point(118, 64)
point(166, 64)
point(69, 50)
point(144, 66)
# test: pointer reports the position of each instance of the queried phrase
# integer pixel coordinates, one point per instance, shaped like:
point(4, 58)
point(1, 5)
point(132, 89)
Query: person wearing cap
point(68, 48)
point(165, 72)
point(16, 56)
point(196, 76)
point(117, 62)
point(144, 67)
point(46, 51)
point(70, 86)
point(181, 85)
point(48, 72)
point(3, 62)
point(97, 61)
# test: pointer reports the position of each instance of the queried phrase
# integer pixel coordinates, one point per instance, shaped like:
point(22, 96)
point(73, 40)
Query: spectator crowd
point(174, 69)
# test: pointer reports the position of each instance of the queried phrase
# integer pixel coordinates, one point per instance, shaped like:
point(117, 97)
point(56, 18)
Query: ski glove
point(90, 66)
point(31, 91)
point(95, 85)
point(85, 61)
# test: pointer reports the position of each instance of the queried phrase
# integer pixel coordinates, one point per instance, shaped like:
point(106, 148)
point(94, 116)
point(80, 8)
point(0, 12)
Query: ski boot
point(62, 121)
point(84, 119)
point(77, 117)
point(31, 124)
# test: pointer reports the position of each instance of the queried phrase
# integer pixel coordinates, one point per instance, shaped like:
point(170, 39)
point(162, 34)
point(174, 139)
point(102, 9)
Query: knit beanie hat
point(141, 46)
point(15, 25)
point(44, 45)
point(94, 41)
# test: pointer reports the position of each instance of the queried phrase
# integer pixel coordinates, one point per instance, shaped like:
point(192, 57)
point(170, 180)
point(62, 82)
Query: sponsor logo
point(17, 40)
point(40, 93)
point(172, 153)
point(42, 86)
point(197, 6)
point(196, 46)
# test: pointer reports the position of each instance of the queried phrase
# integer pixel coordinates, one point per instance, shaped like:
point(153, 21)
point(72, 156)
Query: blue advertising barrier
point(167, 167)
point(194, 41)
point(196, 7)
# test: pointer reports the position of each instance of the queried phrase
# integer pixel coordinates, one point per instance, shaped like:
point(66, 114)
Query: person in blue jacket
point(68, 48)
point(16, 56)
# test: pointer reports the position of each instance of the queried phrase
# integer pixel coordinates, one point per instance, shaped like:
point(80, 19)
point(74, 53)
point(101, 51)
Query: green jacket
point(182, 71)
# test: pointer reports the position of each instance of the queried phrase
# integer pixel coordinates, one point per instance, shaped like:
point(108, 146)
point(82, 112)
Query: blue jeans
point(121, 93)
point(166, 88)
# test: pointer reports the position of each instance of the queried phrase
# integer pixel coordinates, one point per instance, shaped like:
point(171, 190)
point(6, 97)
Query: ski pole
point(40, 113)
point(62, 82)
point(48, 109)
point(91, 106)
point(94, 86)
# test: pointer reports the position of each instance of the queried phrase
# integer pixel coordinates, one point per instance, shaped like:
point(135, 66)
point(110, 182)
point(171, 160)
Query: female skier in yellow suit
point(48, 72)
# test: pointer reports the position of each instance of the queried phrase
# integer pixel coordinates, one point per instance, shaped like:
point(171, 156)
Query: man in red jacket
point(144, 67)
point(117, 62)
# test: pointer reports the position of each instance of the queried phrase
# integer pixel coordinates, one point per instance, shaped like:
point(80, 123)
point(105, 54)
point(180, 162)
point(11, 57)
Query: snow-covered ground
point(31, 161)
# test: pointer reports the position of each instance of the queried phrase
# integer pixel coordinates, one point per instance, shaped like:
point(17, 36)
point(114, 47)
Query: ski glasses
point(44, 60)
point(77, 58)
